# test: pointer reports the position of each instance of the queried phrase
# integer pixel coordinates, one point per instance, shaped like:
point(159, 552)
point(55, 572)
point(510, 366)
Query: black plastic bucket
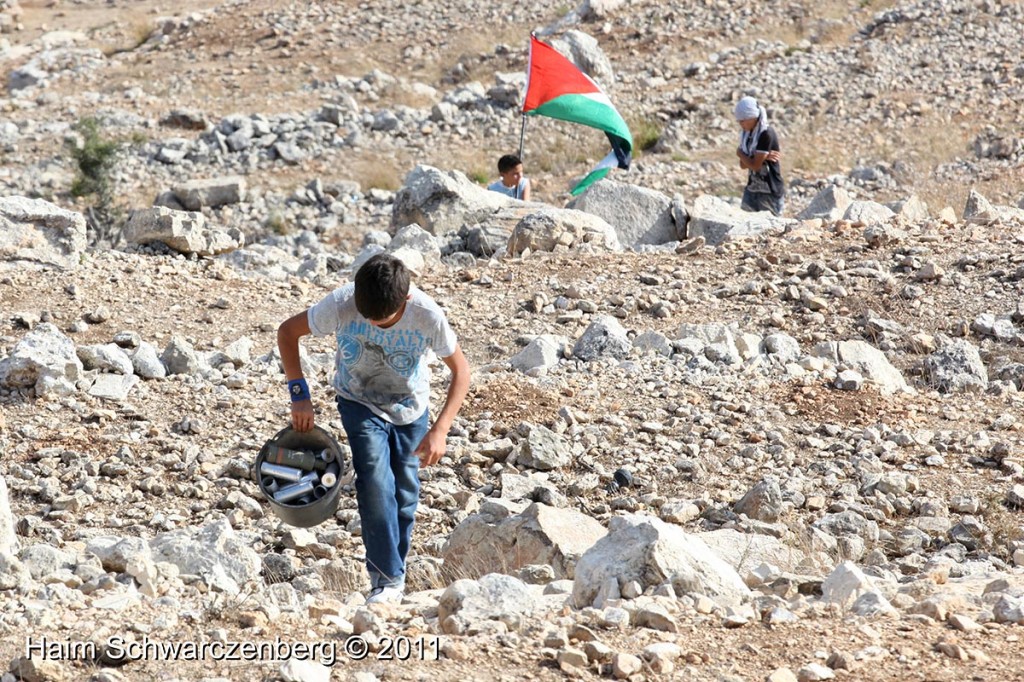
point(317, 511)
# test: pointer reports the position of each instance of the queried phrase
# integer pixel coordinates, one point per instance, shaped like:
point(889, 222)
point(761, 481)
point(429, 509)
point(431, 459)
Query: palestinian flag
point(556, 88)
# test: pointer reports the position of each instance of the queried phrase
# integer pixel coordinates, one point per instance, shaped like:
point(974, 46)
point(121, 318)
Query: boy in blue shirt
point(386, 331)
point(512, 182)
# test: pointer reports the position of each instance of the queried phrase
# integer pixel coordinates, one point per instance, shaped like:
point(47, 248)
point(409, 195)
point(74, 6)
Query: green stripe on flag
point(586, 111)
point(591, 178)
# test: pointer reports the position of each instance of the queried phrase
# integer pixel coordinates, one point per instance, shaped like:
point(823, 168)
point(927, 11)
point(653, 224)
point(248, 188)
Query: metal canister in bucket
point(301, 511)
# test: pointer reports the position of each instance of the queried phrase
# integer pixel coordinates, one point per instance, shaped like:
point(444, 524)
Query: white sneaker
point(385, 595)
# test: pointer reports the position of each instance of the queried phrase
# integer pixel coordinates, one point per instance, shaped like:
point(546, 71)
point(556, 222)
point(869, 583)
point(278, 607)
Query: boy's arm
point(754, 162)
point(434, 444)
point(526, 191)
point(288, 335)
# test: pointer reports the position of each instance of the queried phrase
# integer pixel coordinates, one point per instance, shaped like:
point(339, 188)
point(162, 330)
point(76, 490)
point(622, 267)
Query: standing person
point(386, 330)
point(759, 153)
point(512, 183)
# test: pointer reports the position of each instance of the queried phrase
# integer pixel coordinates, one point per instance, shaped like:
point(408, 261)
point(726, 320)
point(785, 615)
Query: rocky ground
point(698, 445)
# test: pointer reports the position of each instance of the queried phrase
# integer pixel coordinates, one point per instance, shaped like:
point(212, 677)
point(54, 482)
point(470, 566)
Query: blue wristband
point(298, 389)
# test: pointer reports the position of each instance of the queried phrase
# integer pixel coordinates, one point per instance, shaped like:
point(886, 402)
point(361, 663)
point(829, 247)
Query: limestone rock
point(653, 552)
point(865, 358)
point(718, 340)
point(116, 553)
point(35, 669)
point(44, 359)
point(180, 357)
point(844, 584)
point(978, 210)
point(781, 346)
point(583, 51)
point(603, 337)
point(600, 9)
point(718, 221)
point(763, 502)
point(182, 231)
point(443, 201)
point(416, 238)
point(115, 387)
point(146, 362)
point(213, 551)
point(540, 535)
point(549, 228)
point(492, 597)
point(543, 449)
point(542, 353)
point(105, 357)
point(829, 204)
point(912, 209)
point(956, 367)
point(34, 232)
point(8, 538)
point(296, 670)
point(867, 213)
point(745, 552)
point(654, 342)
point(211, 193)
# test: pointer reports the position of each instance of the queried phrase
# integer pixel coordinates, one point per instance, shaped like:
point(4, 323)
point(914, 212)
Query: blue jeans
point(387, 487)
point(757, 201)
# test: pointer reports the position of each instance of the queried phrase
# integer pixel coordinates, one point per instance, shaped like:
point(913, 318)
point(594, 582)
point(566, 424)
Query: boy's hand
point(302, 415)
point(432, 447)
point(774, 155)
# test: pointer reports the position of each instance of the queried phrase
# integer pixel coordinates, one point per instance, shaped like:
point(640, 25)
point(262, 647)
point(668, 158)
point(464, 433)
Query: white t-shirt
point(384, 369)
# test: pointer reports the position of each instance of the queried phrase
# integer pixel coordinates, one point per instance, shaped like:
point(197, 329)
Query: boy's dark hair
point(382, 285)
point(508, 162)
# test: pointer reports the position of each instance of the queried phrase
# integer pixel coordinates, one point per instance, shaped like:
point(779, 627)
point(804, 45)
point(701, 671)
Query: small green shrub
point(646, 134)
point(95, 156)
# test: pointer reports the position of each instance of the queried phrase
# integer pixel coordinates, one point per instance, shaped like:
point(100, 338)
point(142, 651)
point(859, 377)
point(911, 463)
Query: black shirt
point(768, 180)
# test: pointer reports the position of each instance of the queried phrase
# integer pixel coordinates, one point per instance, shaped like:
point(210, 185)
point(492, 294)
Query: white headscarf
point(748, 108)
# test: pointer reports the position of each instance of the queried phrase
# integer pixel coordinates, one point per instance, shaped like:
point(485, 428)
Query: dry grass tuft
point(379, 173)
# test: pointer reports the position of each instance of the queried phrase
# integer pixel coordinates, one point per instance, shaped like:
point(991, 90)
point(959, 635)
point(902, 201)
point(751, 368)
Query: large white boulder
point(639, 215)
point(603, 337)
point(956, 367)
point(444, 201)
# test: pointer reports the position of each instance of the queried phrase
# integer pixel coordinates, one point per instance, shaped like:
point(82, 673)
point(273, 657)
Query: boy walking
point(385, 330)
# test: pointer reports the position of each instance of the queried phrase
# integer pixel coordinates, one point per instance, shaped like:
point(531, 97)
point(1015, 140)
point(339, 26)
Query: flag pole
point(522, 137)
point(526, 93)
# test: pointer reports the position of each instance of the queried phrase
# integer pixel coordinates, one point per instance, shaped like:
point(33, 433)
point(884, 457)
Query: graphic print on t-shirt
point(381, 365)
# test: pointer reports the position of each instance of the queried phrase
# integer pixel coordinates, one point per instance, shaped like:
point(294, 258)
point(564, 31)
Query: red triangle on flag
point(552, 75)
